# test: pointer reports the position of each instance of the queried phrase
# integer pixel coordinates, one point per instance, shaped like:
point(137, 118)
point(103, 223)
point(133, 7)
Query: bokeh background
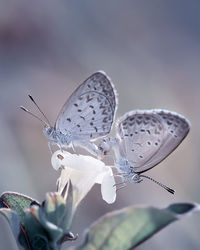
point(150, 49)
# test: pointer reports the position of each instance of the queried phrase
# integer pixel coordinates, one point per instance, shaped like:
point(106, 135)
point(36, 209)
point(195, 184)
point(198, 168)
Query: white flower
point(84, 172)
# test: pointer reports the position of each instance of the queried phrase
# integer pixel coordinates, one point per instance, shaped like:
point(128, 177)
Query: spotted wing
point(149, 136)
point(89, 112)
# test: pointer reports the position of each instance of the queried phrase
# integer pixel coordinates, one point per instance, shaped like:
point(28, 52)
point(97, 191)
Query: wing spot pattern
point(104, 112)
point(94, 103)
point(89, 99)
point(105, 120)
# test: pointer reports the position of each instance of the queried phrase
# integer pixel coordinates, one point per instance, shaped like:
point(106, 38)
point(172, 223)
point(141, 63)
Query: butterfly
point(143, 139)
point(88, 114)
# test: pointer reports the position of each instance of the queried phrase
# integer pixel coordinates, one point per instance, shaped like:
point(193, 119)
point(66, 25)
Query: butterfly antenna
point(119, 185)
point(160, 184)
point(39, 108)
point(27, 111)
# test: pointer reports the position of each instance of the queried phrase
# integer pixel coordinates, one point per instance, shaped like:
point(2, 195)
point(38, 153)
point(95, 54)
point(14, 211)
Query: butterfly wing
point(177, 127)
point(149, 136)
point(89, 112)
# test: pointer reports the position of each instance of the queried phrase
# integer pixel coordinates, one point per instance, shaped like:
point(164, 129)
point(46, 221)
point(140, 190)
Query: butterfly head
point(49, 131)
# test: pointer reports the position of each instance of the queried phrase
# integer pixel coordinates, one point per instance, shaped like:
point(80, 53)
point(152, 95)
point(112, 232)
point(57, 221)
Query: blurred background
point(151, 51)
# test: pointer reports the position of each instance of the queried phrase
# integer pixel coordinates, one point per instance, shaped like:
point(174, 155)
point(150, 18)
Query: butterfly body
point(57, 137)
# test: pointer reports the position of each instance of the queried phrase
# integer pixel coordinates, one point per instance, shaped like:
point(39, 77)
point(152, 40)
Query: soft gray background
point(150, 49)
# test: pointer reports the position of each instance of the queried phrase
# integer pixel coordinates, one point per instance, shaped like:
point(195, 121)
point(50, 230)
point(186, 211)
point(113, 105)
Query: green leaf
point(14, 222)
point(36, 234)
point(183, 208)
point(16, 202)
point(54, 207)
point(52, 230)
point(58, 210)
point(42, 222)
point(129, 227)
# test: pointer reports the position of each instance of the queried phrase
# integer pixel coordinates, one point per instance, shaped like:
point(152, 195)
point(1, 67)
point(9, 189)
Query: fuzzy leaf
point(13, 220)
point(16, 202)
point(14, 223)
point(129, 227)
point(54, 208)
point(52, 230)
point(36, 234)
point(58, 210)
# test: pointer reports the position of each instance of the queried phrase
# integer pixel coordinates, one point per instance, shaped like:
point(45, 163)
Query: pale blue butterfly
point(87, 115)
point(143, 139)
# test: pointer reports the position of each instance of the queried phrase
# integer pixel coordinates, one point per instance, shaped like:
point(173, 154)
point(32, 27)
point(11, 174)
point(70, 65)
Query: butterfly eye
point(48, 131)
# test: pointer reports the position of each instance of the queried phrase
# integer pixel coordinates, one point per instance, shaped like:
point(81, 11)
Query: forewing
point(141, 135)
point(177, 128)
point(150, 136)
point(89, 112)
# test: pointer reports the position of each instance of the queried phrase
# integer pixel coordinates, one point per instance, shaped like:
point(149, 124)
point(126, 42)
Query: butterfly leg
point(107, 144)
point(73, 147)
point(89, 146)
point(50, 144)
point(136, 178)
point(120, 185)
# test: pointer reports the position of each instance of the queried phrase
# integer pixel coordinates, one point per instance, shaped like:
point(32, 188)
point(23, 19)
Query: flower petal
point(83, 172)
point(56, 161)
point(82, 162)
point(82, 182)
point(108, 188)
